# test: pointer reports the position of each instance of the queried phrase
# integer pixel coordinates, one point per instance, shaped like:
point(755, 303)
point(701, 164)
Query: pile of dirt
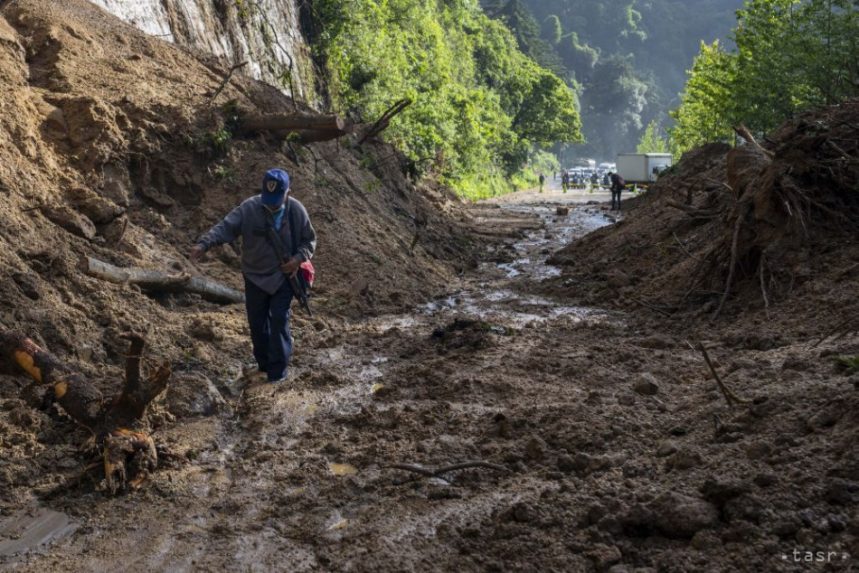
point(756, 230)
point(111, 147)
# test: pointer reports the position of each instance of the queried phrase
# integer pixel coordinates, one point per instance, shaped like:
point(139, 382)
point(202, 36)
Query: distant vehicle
point(606, 166)
point(642, 168)
point(584, 163)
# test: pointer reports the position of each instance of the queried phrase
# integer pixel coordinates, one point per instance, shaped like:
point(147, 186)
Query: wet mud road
point(580, 421)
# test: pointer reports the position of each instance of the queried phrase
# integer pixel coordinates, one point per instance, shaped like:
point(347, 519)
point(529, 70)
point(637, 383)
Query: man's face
point(276, 208)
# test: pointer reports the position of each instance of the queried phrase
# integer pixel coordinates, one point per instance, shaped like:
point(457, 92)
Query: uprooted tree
point(127, 451)
point(779, 200)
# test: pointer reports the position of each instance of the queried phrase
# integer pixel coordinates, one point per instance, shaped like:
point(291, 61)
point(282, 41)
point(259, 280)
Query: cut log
point(286, 123)
point(128, 452)
point(80, 399)
point(162, 282)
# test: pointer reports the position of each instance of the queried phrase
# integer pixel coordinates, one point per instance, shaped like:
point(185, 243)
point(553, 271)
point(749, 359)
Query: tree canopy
point(790, 55)
point(481, 106)
point(627, 58)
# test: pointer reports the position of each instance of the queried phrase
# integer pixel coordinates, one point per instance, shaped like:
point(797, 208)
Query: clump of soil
point(756, 229)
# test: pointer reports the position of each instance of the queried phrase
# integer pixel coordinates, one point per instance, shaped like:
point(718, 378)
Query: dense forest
point(503, 89)
point(789, 56)
point(481, 109)
point(626, 58)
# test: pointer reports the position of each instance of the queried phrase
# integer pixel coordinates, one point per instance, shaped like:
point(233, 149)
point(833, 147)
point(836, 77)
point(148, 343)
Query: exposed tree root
point(128, 451)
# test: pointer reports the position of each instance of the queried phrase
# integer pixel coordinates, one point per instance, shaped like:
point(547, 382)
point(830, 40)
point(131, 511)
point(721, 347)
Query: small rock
point(646, 385)
point(786, 527)
point(836, 523)
point(682, 516)
point(562, 211)
point(684, 460)
point(747, 507)
point(705, 540)
point(626, 400)
point(666, 448)
point(522, 513)
point(721, 490)
point(765, 480)
point(566, 463)
point(535, 448)
point(193, 394)
point(839, 491)
point(825, 418)
point(604, 556)
point(758, 450)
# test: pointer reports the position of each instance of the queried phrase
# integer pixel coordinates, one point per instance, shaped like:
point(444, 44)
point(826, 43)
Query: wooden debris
point(225, 81)
point(308, 127)
point(384, 121)
point(158, 281)
point(439, 472)
point(730, 397)
point(128, 451)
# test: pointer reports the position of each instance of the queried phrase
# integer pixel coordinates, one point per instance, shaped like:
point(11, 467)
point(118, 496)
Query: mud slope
point(110, 148)
point(775, 227)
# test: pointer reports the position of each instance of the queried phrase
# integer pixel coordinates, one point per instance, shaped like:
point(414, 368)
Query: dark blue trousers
point(268, 318)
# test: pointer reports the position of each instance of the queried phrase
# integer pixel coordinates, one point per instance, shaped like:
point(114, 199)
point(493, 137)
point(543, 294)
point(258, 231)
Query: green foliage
point(479, 104)
point(627, 58)
point(847, 364)
point(552, 30)
point(219, 141)
point(707, 102)
point(790, 55)
point(652, 140)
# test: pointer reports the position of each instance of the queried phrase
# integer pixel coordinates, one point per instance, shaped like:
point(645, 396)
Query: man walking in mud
point(268, 294)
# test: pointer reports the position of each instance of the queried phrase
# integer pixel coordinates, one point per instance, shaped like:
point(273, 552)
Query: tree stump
point(128, 452)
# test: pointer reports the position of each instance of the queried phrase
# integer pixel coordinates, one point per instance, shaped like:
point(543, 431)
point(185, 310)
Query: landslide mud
point(607, 444)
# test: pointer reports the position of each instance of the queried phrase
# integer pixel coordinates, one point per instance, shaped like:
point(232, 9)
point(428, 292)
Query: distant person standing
point(542, 181)
point(565, 181)
point(617, 185)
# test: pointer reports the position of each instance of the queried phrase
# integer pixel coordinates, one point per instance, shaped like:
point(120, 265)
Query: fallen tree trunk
point(285, 124)
point(128, 451)
point(159, 281)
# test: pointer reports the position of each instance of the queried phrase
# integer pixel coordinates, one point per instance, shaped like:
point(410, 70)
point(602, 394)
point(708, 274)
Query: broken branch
point(225, 81)
point(384, 121)
point(439, 472)
point(730, 397)
point(129, 455)
point(163, 282)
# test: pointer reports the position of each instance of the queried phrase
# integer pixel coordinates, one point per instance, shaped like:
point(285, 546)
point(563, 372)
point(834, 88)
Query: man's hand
point(197, 252)
point(291, 265)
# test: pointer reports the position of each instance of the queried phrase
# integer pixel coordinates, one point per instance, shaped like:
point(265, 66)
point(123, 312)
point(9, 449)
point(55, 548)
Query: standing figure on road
point(542, 181)
point(268, 294)
point(617, 185)
point(565, 181)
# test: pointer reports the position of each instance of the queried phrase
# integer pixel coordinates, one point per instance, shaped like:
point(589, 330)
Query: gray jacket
point(251, 221)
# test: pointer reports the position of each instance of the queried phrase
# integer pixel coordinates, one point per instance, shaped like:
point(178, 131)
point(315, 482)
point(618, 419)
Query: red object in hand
point(308, 273)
